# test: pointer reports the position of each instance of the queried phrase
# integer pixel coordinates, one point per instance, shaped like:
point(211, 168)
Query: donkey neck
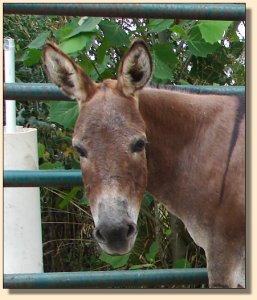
point(173, 119)
point(172, 115)
point(176, 125)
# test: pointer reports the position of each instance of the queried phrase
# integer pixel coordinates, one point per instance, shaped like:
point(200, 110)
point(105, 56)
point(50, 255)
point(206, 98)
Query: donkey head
point(110, 137)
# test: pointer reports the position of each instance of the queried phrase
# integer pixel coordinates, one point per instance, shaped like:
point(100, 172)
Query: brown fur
point(193, 161)
point(189, 137)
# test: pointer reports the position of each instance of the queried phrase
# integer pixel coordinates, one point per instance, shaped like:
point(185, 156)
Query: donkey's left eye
point(138, 146)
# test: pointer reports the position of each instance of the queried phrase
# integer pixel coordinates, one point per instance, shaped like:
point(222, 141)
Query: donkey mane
point(240, 113)
point(191, 90)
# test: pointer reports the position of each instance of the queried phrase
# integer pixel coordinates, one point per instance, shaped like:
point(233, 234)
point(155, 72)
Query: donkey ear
point(62, 71)
point(135, 68)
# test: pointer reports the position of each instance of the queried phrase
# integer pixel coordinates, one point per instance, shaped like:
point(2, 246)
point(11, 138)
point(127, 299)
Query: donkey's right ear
point(62, 71)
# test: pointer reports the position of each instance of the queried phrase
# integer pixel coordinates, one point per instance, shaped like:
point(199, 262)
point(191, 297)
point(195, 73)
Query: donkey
point(186, 149)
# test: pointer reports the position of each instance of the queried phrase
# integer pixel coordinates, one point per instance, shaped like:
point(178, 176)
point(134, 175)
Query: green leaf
point(183, 82)
point(232, 36)
point(153, 250)
point(198, 46)
point(167, 231)
point(179, 30)
point(165, 53)
point(89, 25)
point(161, 70)
point(38, 42)
point(236, 48)
point(31, 57)
point(115, 35)
point(138, 267)
point(164, 62)
point(101, 50)
point(103, 66)
point(66, 200)
point(148, 198)
point(63, 112)
point(61, 33)
point(158, 25)
point(90, 67)
point(86, 64)
point(41, 150)
point(83, 201)
point(50, 166)
point(182, 263)
point(213, 31)
point(76, 43)
point(114, 261)
point(62, 139)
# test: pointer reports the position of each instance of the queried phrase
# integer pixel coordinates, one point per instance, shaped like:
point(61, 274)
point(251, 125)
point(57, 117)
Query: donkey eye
point(81, 152)
point(138, 146)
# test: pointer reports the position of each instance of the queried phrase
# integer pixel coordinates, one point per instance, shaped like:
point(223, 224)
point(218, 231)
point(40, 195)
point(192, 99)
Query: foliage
point(183, 51)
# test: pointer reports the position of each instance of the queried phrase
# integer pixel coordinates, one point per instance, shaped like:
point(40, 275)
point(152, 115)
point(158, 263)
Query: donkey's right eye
point(82, 152)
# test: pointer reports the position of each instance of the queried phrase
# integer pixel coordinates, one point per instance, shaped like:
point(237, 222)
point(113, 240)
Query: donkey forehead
point(108, 111)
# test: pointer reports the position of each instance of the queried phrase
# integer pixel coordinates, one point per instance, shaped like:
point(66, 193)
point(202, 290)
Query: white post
point(23, 250)
point(9, 76)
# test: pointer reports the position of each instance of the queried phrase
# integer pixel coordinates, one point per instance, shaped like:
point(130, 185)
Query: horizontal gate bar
point(133, 10)
point(48, 91)
point(106, 279)
point(42, 178)
point(33, 91)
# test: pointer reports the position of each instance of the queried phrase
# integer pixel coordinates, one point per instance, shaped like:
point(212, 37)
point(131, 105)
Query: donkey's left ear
point(135, 68)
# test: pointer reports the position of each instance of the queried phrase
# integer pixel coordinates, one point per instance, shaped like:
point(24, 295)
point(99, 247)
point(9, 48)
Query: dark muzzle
point(115, 238)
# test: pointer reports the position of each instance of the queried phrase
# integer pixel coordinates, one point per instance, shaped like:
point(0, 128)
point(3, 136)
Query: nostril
point(114, 234)
point(132, 228)
point(98, 235)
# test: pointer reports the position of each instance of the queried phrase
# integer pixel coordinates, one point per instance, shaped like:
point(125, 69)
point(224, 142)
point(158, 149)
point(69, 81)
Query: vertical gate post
point(23, 251)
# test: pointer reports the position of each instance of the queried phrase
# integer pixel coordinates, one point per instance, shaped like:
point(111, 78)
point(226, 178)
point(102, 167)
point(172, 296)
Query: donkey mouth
point(116, 251)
